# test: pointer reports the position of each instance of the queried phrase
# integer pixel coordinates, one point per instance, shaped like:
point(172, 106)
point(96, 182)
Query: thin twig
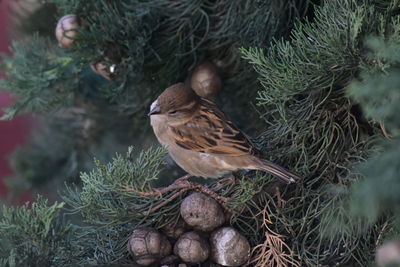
point(162, 204)
point(274, 252)
point(378, 240)
point(385, 133)
point(159, 191)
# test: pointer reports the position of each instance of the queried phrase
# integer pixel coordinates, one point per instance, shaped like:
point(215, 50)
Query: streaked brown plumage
point(202, 140)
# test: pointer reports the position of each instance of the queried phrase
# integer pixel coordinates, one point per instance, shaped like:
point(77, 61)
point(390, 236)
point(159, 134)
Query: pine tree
point(315, 85)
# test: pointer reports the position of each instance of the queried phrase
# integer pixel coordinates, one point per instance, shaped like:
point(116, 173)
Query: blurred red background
point(16, 131)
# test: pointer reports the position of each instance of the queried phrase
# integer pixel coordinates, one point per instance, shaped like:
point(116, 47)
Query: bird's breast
point(160, 128)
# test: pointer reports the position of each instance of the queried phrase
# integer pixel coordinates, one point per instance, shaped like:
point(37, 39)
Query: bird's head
point(177, 104)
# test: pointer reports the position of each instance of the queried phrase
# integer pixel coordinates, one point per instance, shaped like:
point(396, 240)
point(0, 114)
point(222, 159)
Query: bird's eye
point(172, 112)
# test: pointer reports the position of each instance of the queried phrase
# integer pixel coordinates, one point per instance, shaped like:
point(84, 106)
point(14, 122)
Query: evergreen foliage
point(104, 198)
point(162, 39)
point(377, 91)
point(42, 87)
point(107, 204)
point(316, 127)
point(36, 235)
point(327, 101)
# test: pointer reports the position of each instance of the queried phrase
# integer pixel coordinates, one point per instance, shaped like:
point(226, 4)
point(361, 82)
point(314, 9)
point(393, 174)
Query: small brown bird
point(202, 140)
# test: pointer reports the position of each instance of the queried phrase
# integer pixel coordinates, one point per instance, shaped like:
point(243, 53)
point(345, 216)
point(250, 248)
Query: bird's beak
point(154, 108)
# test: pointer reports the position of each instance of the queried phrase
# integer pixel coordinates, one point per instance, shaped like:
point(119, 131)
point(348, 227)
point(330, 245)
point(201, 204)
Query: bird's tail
point(278, 171)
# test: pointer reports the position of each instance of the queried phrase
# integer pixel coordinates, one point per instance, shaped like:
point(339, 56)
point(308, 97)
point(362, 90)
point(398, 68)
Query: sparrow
point(202, 140)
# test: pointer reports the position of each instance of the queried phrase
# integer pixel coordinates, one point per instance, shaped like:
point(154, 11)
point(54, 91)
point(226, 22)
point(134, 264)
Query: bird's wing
point(210, 131)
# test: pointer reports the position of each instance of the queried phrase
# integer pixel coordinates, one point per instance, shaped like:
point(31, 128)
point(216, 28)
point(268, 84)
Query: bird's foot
point(280, 201)
point(177, 184)
point(274, 190)
point(183, 179)
point(233, 178)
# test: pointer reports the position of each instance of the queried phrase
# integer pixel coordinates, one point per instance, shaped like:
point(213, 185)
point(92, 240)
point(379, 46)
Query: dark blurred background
point(14, 132)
